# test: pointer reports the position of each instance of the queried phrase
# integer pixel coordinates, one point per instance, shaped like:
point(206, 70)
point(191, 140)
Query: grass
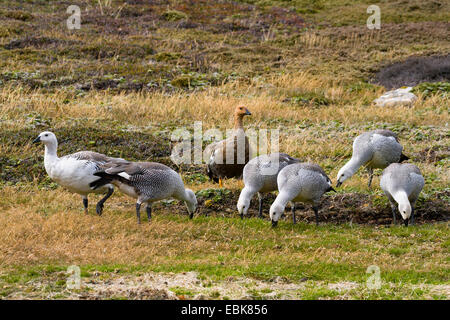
point(134, 73)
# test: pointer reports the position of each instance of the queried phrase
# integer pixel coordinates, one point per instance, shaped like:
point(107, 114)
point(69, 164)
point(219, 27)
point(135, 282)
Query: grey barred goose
point(402, 184)
point(75, 171)
point(300, 182)
point(147, 182)
point(373, 149)
point(260, 176)
point(220, 165)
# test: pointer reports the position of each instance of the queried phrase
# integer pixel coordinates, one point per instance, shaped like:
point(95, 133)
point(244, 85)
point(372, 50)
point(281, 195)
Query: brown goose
point(227, 158)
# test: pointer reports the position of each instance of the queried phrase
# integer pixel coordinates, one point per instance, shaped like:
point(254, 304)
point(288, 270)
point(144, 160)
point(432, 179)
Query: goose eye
point(46, 135)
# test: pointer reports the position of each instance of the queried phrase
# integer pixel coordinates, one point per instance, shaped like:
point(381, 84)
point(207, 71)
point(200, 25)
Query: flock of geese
point(87, 172)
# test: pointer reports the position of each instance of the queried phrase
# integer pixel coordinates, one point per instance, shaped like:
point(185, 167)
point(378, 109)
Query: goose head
point(47, 138)
point(241, 111)
point(243, 205)
point(343, 175)
point(405, 211)
point(276, 210)
point(191, 202)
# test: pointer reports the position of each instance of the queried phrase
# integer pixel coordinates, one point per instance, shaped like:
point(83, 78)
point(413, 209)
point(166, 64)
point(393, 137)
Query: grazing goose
point(304, 182)
point(75, 171)
point(402, 183)
point(219, 165)
point(147, 182)
point(260, 176)
point(373, 149)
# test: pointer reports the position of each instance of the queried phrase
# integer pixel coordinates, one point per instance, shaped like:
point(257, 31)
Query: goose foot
point(138, 212)
point(149, 212)
point(370, 177)
point(99, 208)
point(294, 221)
point(316, 212)
point(85, 204)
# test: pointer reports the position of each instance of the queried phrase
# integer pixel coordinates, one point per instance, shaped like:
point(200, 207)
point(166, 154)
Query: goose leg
point(293, 212)
point(99, 208)
point(393, 214)
point(85, 204)
point(138, 212)
point(370, 176)
point(220, 183)
point(316, 212)
point(149, 211)
point(260, 198)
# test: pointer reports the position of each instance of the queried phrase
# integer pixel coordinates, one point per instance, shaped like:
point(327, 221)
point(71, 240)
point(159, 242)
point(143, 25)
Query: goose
point(260, 176)
point(402, 183)
point(373, 149)
point(75, 171)
point(300, 182)
point(218, 166)
point(147, 182)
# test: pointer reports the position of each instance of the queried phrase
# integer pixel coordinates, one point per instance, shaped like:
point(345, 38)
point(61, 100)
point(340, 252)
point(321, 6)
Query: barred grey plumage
point(300, 182)
point(402, 183)
point(373, 149)
point(147, 182)
point(260, 176)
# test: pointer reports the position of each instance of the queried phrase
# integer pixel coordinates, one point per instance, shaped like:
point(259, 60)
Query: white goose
point(260, 176)
point(75, 171)
point(402, 183)
point(373, 149)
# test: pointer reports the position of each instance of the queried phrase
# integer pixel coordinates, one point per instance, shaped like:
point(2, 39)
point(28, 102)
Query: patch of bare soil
point(335, 208)
point(413, 71)
point(187, 285)
point(38, 42)
point(433, 154)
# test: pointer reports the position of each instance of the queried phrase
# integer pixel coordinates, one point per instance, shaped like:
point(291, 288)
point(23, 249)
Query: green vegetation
point(138, 70)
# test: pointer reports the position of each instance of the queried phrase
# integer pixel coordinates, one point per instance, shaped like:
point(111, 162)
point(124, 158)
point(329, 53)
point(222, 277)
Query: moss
point(17, 15)
point(174, 15)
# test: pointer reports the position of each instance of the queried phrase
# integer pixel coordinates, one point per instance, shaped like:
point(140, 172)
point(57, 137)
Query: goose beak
point(247, 113)
point(338, 184)
point(191, 215)
point(274, 223)
point(37, 140)
point(406, 221)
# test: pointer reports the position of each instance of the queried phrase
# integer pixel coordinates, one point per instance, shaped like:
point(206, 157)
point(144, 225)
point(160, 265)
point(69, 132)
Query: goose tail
point(105, 178)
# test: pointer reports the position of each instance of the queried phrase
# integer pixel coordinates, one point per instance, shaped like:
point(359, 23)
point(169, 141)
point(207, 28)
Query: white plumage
point(402, 184)
point(260, 176)
point(300, 182)
point(75, 171)
point(374, 149)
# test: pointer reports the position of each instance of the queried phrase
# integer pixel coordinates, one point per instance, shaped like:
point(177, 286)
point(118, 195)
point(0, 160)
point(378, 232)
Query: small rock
point(399, 97)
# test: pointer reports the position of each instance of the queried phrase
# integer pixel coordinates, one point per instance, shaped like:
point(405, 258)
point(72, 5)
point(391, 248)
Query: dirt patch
point(339, 208)
point(187, 285)
point(413, 71)
point(38, 42)
point(433, 154)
